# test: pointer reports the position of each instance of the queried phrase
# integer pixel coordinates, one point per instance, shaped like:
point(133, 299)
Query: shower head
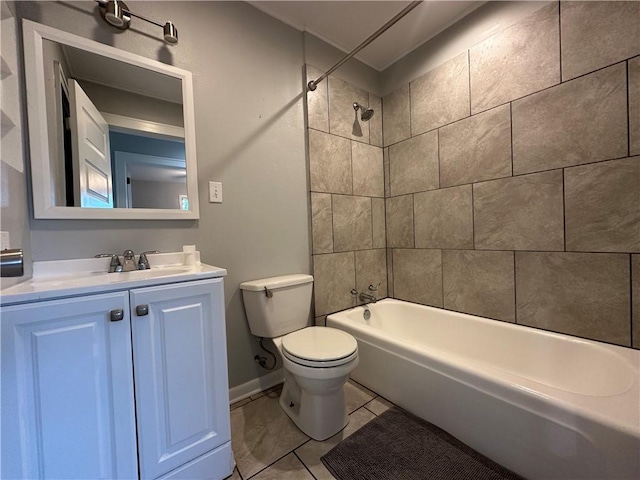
point(365, 112)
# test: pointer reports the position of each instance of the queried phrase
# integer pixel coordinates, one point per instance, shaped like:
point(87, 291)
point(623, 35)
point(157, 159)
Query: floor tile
point(356, 396)
point(378, 405)
point(287, 468)
point(261, 433)
point(311, 451)
point(235, 475)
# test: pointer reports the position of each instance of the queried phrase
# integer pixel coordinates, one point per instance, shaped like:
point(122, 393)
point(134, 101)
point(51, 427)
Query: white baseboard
point(256, 385)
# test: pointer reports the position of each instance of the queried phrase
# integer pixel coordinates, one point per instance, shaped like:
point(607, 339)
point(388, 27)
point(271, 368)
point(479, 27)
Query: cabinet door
point(67, 390)
point(180, 373)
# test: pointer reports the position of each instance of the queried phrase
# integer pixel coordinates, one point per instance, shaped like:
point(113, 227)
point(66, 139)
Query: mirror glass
point(118, 139)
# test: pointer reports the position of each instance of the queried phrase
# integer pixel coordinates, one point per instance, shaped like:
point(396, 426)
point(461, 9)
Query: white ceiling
point(346, 24)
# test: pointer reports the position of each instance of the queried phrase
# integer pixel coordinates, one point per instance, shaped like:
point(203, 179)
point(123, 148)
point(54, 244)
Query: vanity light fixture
point(117, 14)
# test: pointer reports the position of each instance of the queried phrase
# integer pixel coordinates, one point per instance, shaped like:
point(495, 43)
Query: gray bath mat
point(399, 446)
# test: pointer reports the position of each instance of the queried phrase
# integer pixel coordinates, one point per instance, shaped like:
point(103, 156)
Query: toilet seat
point(321, 347)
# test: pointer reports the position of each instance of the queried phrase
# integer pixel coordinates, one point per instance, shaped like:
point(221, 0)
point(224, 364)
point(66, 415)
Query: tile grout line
point(302, 462)
point(511, 144)
point(564, 210)
point(631, 339)
point(628, 112)
point(515, 291)
point(560, 39)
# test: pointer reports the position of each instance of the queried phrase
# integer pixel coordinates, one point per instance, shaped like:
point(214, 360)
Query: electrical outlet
point(4, 240)
point(215, 192)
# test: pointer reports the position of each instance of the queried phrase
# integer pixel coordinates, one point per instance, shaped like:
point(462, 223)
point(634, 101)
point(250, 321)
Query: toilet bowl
point(316, 360)
point(313, 391)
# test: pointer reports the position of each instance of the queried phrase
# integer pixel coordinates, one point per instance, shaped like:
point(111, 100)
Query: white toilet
point(317, 360)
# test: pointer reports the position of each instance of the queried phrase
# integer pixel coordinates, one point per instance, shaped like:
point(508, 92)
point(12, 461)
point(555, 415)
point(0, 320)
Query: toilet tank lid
point(276, 282)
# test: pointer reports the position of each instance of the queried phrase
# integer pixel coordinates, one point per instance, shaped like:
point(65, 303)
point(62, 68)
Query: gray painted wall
point(250, 135)
point(14, 214)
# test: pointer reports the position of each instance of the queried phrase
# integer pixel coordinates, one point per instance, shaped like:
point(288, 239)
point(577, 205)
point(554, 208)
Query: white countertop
point(66, 278)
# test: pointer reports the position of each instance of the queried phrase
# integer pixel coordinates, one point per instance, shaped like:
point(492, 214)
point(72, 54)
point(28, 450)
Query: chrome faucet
point(129, 261)
point(143, 261)
point(367, 297)
point(114, 265)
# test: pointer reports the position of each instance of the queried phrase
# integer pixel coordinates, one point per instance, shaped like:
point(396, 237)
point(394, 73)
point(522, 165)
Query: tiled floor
point(267, 445)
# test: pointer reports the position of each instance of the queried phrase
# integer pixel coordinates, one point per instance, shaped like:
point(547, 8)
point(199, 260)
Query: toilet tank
point(282, 308)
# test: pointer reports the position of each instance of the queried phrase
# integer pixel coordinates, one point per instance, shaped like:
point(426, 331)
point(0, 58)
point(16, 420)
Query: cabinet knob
point(142, 310)
point(116, 315)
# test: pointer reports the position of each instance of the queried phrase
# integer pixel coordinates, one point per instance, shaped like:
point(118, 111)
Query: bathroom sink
point(54, 278)
point(158, 272)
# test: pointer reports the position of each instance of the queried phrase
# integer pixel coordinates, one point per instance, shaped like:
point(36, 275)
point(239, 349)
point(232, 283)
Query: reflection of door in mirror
point(102, 117)
point(92, 181)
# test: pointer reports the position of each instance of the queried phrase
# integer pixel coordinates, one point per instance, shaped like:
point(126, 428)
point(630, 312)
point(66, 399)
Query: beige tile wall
point(512, 176)
point(509, 185)
point(347, 181)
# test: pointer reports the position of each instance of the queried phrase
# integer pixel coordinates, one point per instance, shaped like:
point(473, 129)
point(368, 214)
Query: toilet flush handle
point(268, 292)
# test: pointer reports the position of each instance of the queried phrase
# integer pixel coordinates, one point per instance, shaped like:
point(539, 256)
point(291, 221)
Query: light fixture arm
point(137, 15)
point(117, 14)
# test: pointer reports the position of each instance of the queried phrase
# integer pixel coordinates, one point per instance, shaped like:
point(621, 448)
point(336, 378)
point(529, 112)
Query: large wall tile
point(476, 148)
point(413, 164)
point(321, 223)
point(417, 276)
point(597, 34)
point(520, 213)
point(343, 120)
point(634, 106)
point(581, 121)
point(440, 96)
point(368, 170)
point(400, 222)
point(583, 294)
point(352, 227)
point(317, 102)
point(479, 283)
point(396, 117)
point(334, 277)
point(329, 163)
point(635, 294)
point(602, 206)
point(375, 124)
point(444, 218)
point(371, 269)
point(518, 61)
point(378, 221)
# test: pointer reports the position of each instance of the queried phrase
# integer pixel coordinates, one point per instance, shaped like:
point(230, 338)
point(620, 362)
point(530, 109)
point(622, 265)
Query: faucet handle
point(371, 288)
point(143, 261)
point(114, 265)
point(353, 292)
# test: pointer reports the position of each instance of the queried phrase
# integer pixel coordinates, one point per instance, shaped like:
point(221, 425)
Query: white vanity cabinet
point(180, 364)
point(127, 384)
point(67, 390)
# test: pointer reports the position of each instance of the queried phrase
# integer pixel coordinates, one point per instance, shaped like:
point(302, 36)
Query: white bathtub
point(545, 405)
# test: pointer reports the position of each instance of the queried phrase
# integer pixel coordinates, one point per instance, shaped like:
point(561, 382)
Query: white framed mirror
point(111, 133)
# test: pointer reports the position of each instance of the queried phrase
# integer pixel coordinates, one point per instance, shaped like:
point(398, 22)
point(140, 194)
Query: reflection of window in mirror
point(184, 202)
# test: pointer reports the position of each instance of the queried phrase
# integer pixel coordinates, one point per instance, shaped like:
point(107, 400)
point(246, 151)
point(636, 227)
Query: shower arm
point(313, 84)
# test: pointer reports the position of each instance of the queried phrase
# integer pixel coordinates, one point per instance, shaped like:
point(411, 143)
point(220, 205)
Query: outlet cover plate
point(215, 192)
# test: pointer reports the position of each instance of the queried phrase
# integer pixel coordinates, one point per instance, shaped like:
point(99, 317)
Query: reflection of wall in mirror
point(120, 102)
point(156, 153)
point(157, 194)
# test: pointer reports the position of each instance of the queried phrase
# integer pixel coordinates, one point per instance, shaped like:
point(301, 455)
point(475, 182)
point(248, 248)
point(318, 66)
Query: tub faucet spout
point(366, 298)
